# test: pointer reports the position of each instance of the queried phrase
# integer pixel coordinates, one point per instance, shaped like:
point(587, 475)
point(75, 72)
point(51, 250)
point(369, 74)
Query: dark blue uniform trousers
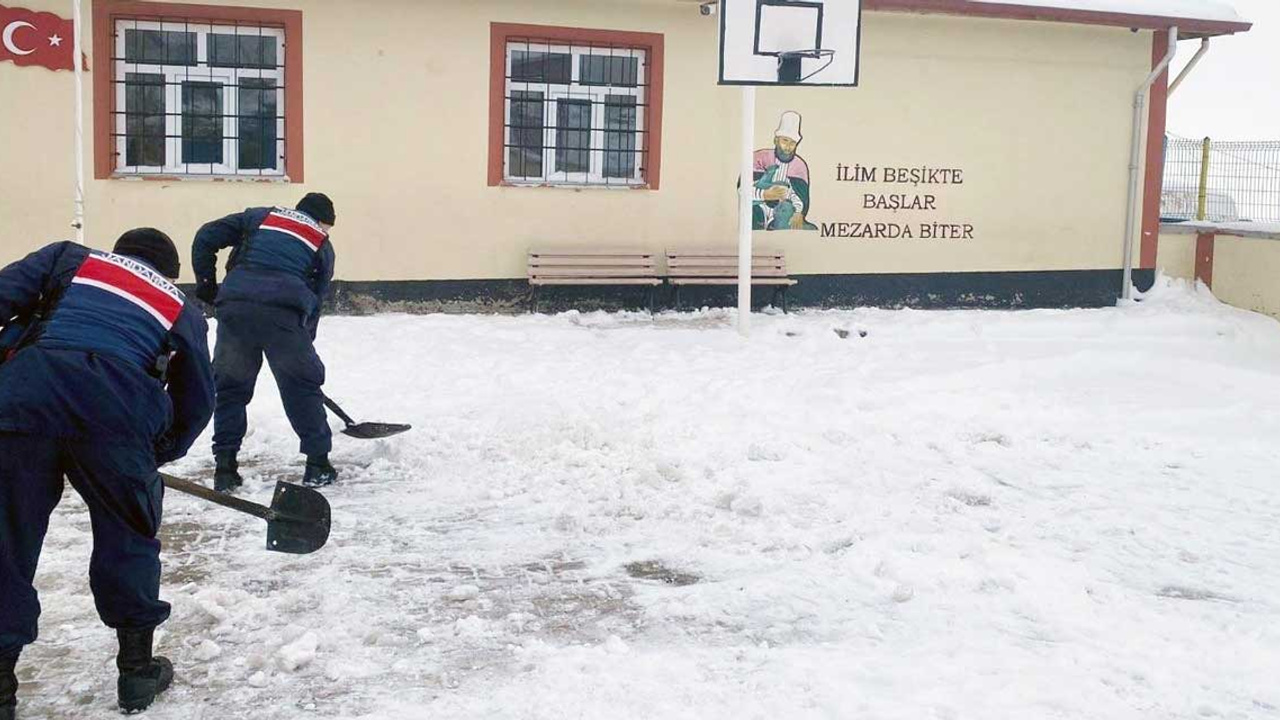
point(124, 494)
point(246, 333)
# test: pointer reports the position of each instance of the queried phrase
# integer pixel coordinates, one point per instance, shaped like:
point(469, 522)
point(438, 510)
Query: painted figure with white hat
point(782, 180)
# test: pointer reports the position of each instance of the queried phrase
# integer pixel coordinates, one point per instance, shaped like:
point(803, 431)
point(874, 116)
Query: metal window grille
point(198, 99)
point(1238, 181)
point(576, 113)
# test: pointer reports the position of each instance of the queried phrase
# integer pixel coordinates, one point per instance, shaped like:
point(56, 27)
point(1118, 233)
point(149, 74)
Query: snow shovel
point(365, 430)
point(297, 521)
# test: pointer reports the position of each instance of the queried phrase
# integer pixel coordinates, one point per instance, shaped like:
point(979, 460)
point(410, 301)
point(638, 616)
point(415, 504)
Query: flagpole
point(78, 66)
point(746, 190)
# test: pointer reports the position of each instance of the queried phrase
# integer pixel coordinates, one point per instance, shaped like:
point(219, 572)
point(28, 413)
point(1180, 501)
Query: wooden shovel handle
point(338, 411)
point(213, 496)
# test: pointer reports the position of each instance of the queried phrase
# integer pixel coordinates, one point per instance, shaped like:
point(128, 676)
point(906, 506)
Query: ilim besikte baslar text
point(916, 200)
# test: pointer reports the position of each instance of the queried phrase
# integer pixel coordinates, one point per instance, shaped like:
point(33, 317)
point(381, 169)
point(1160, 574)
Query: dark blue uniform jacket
point(279, 257)
point(92, 373)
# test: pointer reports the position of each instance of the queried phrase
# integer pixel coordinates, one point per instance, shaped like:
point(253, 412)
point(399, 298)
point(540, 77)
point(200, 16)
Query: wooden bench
point(719, 266)
point(588, 266)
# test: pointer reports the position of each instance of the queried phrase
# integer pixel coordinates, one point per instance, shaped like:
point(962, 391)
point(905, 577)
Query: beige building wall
point(1245, 273)
point(1036, 115)
point(1176, 255)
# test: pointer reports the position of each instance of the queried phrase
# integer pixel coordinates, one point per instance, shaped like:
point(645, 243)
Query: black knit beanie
point(319, 207)
point(152, 247)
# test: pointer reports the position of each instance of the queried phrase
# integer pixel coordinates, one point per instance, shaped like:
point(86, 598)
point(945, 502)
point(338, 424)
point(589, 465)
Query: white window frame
point(553, 93)
point(174, 76)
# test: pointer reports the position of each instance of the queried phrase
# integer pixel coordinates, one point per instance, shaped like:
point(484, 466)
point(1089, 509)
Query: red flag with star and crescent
point(30, 38)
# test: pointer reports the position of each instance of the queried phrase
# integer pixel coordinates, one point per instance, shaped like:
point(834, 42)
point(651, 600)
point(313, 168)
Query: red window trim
point(651, 43)
point(105, 14)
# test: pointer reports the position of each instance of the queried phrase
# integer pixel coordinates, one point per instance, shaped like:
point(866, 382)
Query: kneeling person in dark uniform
point(279, 271)
point(105, 376)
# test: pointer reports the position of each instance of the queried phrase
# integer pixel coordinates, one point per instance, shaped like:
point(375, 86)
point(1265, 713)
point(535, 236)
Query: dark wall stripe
point(996, 290)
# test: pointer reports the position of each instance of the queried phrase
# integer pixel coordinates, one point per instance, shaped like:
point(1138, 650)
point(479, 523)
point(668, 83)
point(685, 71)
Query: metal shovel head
point(301, 522)
point(375, 430)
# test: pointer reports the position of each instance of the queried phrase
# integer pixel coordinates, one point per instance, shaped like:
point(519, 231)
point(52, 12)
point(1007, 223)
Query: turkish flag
point(36, 38)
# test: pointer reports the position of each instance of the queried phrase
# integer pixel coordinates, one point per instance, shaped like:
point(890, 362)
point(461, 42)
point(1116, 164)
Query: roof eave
point(1188, 28)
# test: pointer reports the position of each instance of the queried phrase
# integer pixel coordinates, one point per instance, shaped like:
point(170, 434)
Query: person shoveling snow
point(280, 268)
point(83, 394)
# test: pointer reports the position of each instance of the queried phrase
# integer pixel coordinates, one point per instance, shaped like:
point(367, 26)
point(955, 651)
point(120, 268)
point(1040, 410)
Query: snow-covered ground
point(1050, 514)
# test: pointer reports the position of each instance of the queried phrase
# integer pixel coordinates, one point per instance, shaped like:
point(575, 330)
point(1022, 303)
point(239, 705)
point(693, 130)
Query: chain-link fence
point(1221, 181)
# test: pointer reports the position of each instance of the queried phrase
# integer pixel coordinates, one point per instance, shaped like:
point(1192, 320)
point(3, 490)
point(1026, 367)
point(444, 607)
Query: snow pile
point(1251, 228)
point(298, 654)
point(882, 514)
point(1246, 228)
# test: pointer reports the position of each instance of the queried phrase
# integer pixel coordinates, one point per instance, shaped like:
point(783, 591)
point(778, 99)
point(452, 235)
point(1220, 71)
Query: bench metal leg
point(785, 308)
point(653, 290)
point(533, 299)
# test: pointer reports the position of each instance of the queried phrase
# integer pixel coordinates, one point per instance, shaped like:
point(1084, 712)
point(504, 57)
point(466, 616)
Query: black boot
point(227, 477)
point(320, 472)
point(8, 688)
point(142, 676)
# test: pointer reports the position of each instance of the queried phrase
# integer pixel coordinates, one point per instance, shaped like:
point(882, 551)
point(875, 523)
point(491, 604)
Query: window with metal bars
point(575, 114)
point(198, 99)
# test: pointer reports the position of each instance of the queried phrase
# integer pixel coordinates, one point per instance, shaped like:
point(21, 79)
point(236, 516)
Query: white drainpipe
point(1135, 163)
point(1204, 48)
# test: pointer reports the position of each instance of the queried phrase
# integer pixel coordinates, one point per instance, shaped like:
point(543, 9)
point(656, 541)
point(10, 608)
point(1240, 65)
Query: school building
point(983, 160)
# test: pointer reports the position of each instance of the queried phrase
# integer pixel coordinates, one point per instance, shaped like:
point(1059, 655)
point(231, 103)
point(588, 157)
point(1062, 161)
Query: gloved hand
point(207, 291)
point(165, 450)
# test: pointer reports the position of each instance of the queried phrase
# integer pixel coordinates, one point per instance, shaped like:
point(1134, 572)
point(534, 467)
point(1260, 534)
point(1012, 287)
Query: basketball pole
point(745, 196)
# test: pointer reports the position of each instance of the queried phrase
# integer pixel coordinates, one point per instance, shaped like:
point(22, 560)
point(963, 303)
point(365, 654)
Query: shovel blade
point(375, 430)
point(301, 522)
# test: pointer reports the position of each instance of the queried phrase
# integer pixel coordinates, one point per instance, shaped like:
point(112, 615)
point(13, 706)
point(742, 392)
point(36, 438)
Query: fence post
point(1202, 205)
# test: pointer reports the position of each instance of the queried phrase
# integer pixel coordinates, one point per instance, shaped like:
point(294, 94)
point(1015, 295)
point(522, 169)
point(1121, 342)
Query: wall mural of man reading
point(781, 179)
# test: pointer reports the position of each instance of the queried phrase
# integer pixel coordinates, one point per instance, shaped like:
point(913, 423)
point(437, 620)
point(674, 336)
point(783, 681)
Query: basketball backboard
point(790, 42)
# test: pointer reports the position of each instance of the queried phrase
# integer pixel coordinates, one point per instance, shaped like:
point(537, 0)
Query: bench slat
point(594, 281)
point(592, 261)
point(729, 281)
point(726, 273)
point(721, 262)
point(722, 252)
point(589, 272)
point(589, 266)
point(709, 260)
point(720, 269)
point(587, 252)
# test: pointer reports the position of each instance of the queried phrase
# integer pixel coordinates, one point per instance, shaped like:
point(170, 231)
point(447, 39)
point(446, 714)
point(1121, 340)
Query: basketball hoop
point(791, 65)
point(790, 42)
point(780, 43)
